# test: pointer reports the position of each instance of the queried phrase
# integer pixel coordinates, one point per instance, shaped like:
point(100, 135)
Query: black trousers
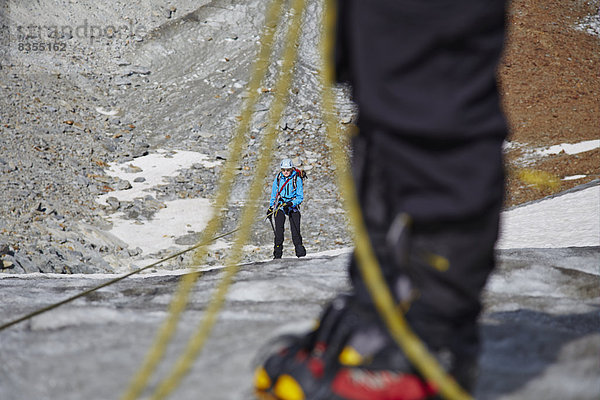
point(423, 75)
point(390, 184)
point(294, 218)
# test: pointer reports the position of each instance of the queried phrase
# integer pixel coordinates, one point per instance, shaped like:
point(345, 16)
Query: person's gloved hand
point(270, 212)
point(288, 204)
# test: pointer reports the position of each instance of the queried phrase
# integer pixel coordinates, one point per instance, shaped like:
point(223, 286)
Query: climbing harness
point(271, 213)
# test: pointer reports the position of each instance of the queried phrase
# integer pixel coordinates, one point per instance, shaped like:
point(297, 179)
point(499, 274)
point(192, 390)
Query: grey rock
point(113, 202)
point(132, 169)
point(133, 213)
point(123, 185)
point(122, 81)
point(81, 269)
point(140, 70)
point(24, 262)
point(188, 240)
point(5, 249)
point(8, 167)
point(134, 252)
point(82, 181)
point(140, 152)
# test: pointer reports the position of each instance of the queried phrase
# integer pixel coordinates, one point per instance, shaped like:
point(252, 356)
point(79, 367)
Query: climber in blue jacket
point(286, 196)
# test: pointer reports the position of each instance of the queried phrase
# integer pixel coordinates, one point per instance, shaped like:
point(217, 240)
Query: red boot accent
point(357, 384)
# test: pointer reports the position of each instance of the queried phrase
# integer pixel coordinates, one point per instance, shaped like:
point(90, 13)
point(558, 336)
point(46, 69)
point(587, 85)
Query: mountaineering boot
point(296, 369)
point(300, 251)
point(277, 251)
point(349, 356)
point(352, 356)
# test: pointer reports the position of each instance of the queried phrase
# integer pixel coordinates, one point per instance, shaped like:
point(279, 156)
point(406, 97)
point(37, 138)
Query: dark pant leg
point(295, 218)
point(453, 194)
point(279, 218)
point(431, 129)
point(295, 227)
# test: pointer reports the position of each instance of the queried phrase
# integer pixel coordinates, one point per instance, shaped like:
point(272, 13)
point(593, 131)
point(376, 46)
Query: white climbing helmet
point(287, 164)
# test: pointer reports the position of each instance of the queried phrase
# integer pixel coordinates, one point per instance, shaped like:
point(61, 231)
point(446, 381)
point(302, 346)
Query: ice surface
point(572, 219)
point(540, 327)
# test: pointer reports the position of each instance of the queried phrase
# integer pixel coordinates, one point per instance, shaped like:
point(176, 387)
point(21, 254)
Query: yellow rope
point(180, 299)
point(108, 283)
point(379, 291)
point(196, 343)
point(414, 349)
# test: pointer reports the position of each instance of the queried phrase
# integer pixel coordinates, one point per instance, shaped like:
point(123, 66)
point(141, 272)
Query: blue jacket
point(293, 190)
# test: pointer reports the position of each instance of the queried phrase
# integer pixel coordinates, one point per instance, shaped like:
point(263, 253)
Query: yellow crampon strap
point(179, 302)
point(369, 267)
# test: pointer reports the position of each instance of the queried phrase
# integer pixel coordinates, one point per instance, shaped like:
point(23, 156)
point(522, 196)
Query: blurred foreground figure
point(429, 173)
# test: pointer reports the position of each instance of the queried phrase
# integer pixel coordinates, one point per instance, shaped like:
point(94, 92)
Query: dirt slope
point(551, 89)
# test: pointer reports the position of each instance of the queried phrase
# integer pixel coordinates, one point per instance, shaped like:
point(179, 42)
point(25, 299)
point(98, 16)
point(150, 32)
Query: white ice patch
point(178, 218)
point(570, 220)
point(259, 291)
point(110, 113)
point(153, 168)
point(530, 155)
point(573, 177)
point(568, 148)
point(590, 24)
